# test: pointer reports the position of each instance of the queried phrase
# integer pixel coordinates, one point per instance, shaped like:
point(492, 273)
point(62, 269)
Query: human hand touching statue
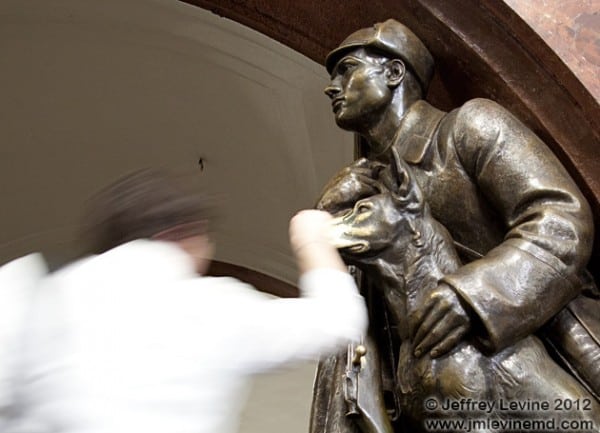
point(440, 323)
point(309, 234)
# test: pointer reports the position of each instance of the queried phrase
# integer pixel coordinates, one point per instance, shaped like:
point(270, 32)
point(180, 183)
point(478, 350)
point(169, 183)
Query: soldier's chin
point(345, 123)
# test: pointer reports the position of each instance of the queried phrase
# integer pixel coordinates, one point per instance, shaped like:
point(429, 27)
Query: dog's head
point(385, 219)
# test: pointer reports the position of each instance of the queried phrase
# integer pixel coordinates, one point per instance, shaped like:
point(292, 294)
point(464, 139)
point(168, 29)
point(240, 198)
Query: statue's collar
point(416, 131)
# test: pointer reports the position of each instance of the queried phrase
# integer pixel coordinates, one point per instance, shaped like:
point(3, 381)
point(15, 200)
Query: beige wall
point(92, 89)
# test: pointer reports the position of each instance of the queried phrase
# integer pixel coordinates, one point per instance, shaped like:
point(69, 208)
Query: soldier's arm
point(533, 273)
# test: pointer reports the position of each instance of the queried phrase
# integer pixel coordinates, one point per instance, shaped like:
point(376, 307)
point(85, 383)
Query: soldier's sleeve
point(520, 284)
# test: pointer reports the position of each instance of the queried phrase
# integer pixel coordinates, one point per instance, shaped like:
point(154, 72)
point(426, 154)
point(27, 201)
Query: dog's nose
point(337, 232)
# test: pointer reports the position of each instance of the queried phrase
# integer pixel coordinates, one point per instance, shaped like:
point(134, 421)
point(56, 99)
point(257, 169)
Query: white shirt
point(133, 341)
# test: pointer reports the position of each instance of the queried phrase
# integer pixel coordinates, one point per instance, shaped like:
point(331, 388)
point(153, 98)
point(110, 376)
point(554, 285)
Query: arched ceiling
point(91, 90)
point(483, 48)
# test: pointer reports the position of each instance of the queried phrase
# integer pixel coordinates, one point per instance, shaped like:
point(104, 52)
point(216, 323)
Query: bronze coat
point(501, 192)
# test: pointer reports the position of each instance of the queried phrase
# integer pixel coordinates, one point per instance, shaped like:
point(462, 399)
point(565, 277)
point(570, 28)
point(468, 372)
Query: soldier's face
point(358, 90)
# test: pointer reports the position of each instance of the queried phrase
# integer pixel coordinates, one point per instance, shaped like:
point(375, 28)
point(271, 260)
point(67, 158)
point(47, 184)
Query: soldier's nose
point(332, 91)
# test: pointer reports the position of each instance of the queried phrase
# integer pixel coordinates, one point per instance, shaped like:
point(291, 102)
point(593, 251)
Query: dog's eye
point(363, 207)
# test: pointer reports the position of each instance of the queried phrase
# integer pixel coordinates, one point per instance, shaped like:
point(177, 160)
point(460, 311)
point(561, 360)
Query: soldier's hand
point(356, 181)
point(440, 323)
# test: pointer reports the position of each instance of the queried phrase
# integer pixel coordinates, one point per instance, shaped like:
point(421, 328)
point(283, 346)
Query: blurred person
point(19, 279)
point(134, 338)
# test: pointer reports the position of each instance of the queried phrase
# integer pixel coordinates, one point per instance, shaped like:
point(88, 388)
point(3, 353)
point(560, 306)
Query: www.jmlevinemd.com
point(546, 425)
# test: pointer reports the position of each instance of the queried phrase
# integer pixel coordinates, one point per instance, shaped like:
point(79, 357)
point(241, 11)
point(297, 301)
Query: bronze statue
point(507, 202)
point(393, 237)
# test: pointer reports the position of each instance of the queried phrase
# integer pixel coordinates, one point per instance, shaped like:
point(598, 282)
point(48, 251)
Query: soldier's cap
point(393, 39)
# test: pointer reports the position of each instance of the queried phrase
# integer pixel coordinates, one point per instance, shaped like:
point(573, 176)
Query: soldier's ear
point(395, 71)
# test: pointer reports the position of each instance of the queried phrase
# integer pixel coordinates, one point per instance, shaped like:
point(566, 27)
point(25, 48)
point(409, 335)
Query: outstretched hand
point(311, 242)
point(309, 226)
point(356, 181)
point(440, 323)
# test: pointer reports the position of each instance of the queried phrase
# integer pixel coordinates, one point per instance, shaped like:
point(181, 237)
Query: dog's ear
point(399, 171)
point(406, 190)
point(394, 176)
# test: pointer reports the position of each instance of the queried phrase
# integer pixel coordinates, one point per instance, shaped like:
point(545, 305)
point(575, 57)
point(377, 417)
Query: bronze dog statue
point(392, 237)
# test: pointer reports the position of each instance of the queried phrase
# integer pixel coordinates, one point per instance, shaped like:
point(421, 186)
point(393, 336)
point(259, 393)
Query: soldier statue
point(521, 225)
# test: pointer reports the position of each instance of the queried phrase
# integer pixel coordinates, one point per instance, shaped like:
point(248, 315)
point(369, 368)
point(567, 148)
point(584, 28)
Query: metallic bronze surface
point(483, 48)
point(393, 238)
point(501, 193)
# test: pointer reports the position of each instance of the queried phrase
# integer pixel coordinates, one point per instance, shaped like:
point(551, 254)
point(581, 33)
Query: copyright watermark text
point(472, 415)
point(545, 425)
point(521, 406)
